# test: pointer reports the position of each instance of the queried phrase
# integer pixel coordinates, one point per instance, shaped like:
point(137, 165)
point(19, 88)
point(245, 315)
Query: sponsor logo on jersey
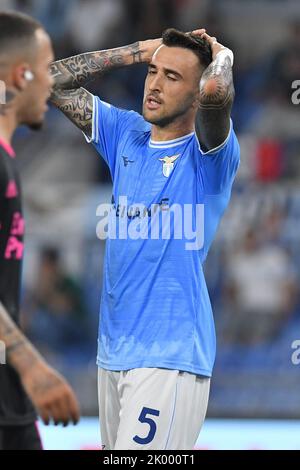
point(126, 161)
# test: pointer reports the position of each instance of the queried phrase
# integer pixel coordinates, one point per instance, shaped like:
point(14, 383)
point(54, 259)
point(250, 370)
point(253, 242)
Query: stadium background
point(254, 265)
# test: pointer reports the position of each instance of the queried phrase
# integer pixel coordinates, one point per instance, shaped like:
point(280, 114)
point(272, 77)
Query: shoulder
point(218, 166)
point(123, 118)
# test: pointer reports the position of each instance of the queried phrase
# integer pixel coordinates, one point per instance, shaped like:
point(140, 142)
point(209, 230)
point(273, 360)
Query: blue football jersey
point(168, 199)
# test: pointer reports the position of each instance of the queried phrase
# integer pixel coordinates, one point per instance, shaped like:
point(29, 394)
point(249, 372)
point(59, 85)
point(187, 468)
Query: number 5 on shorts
point(144, 419)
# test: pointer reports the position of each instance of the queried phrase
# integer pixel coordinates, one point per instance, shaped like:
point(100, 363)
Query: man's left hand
point(214, 44)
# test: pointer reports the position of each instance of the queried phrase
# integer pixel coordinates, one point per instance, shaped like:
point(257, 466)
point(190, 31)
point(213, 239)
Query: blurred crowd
point(253, 270)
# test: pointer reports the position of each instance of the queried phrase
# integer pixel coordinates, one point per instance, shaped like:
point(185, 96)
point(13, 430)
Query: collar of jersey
point(163, 144)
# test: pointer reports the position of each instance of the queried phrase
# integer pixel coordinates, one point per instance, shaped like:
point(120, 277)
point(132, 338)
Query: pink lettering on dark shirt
point(18, 225)
point(15, 247)
point(12, 190)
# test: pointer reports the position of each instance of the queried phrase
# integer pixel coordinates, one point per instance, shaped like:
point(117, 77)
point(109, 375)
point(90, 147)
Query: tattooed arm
point(48, 391)
point(20, 353)
point(216, 98)
point(72, 74)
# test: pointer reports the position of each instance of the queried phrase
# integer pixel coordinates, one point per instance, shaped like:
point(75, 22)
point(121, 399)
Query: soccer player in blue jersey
point(178, 161)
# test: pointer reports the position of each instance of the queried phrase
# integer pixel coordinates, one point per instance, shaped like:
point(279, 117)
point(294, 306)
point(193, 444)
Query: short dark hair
point(174, 38)
point(16, 30)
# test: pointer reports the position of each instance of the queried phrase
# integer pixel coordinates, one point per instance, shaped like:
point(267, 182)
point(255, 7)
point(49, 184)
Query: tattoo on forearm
point(136, 53)
point(20, 352)
point(213, 117)
point(221, 72)
point(18, 343)
point(77, 71)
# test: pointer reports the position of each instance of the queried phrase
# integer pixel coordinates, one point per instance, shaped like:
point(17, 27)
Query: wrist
point(224, 53)
point(144, 51)
point(148, 48)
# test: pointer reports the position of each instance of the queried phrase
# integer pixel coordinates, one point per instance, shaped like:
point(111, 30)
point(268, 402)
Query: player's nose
point(155, 83)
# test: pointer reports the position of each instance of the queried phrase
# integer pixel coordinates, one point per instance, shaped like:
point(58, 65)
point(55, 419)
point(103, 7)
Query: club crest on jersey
point(168, 164)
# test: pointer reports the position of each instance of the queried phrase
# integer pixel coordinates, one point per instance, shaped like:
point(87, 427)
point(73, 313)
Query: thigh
point(191, 408)
point(158, 409)
point(109, 407)
point(21, 438)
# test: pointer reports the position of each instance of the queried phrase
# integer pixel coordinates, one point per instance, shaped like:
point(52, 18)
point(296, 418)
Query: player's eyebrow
point(177, 74)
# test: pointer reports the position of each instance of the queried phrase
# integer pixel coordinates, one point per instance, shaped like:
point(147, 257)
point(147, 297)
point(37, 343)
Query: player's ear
point(20, 76)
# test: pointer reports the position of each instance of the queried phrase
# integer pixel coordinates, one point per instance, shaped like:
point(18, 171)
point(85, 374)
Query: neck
point(166, 133)
point(172, 131)
point(8, 125)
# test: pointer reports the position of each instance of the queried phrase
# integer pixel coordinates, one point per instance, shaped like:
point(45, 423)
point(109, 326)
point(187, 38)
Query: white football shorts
point(151, 409)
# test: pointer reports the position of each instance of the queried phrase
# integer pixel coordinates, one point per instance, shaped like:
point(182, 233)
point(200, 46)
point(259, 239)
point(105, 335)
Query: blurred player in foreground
point(26, 379)
point(156, 338)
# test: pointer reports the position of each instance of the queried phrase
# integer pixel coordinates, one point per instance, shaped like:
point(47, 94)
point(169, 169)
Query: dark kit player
point(27, 383)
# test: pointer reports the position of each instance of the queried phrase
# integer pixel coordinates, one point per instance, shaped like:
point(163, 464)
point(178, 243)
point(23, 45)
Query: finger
point(55, 413)
point(74, 408)
point(210, 39)
point(44, 414)
point(205, 35)
point(197, 32)
point(69, 407)
point(59, 411)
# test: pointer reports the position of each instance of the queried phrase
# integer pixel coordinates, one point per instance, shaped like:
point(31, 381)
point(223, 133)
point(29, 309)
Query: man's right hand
point(148, 48)
point(51, 394)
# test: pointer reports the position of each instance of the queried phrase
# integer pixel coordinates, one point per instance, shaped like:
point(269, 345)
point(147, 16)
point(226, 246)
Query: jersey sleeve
point(218, 166)
point(110, 125)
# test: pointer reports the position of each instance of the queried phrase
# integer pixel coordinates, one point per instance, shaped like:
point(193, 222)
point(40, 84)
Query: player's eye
point(172, 77)
point(151, 71)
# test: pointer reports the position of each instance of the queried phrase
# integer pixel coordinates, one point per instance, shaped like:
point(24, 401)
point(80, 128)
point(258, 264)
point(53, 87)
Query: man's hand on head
point(148, 48)
point(216, 47)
